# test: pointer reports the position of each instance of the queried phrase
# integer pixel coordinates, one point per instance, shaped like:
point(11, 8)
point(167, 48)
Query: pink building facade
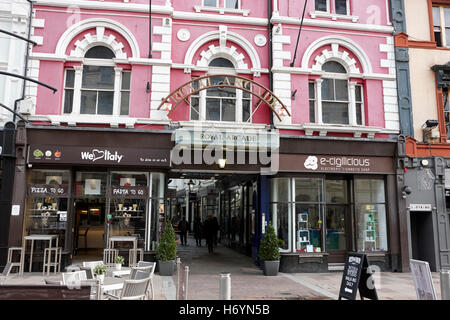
point(337, 83)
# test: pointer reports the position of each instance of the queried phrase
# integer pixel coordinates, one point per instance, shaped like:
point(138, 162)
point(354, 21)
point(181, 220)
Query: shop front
point(85, 191)
point(326, 203)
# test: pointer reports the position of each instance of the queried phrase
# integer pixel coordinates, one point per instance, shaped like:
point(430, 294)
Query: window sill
point(73, 120)
point(323, 129)
point(245, 13)
point(333, 16)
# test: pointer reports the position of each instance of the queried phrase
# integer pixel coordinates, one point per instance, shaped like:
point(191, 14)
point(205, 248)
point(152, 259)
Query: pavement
point(248, 281)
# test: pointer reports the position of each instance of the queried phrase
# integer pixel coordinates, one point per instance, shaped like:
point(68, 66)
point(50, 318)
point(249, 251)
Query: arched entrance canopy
point(182, 93)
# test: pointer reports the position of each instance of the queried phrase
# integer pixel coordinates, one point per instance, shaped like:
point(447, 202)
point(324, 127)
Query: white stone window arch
point(224, 104)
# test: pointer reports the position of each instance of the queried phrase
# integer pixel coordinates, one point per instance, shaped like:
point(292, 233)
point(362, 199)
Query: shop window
point(370, 207)
point(281, 210)
point(341, 101)
point(93, 88)
point(128, 205)
point(90, 184)
point(221, 104)
point(308, 214)
point(47, 203)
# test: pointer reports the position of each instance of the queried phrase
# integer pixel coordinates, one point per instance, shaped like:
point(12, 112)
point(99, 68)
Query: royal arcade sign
point(220, 81)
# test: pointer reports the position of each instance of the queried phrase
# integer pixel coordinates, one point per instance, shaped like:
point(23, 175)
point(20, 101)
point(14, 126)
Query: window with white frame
point(322, 5)
point(441, 25)
point(340, 6)
point(69, 86)
point(333, 99)
point(221, 104)
point(227, 4)
point(98, 87)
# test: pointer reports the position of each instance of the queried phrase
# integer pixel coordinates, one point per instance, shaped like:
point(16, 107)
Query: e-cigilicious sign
point(338, 164)
point(98, 156)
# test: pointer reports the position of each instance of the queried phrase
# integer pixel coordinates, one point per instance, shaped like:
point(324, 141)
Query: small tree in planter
point(166, 251)
point(269, 251)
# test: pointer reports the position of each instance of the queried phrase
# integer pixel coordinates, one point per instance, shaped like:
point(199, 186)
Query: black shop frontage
point(88, 185)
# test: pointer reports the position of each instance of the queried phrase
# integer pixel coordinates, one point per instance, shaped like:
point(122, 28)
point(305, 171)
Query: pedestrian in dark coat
point(209, 230)
point(182, 227)
point(198, 230)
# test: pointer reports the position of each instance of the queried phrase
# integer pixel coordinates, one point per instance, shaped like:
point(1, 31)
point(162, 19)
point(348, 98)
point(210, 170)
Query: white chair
point(20, 263)
point(89, 267)
point(48, 258)
point(146, 264)
point(109, 257)
point(132, 290)
point(133, 256)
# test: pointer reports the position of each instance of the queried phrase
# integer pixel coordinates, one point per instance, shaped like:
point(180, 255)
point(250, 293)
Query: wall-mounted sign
point(339, 164)
point(229, 138)
point(15, 210)
point(99, 155)
point(48, 190)
point(420, 207)
point(132, 192)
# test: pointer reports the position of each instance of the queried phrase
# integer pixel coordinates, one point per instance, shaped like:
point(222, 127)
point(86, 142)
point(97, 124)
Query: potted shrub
point(119, 261)
point(166, 251)
point(100, 271)
point(269, 251)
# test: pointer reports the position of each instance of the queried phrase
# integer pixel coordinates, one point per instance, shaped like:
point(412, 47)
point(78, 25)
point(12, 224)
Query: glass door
point(337, 219)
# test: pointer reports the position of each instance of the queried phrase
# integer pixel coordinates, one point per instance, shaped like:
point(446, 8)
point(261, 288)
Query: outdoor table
point(38, 237)
point(119, 273)
point(133, 239)
point(111, 284)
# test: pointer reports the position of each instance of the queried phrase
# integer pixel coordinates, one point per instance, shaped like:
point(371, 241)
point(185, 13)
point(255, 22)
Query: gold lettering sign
point(182, 93)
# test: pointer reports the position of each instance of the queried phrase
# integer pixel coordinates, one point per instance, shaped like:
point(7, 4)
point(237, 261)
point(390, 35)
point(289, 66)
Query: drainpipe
point(269, 8)
point(27, 55)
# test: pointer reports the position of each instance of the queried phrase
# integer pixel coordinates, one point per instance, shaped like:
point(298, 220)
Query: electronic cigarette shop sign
point(99, 156)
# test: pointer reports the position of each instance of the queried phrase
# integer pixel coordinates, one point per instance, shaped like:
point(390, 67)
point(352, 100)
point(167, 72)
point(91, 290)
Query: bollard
point(178, 279)
point(445, 284)
point(225, 286)
point(186, 281)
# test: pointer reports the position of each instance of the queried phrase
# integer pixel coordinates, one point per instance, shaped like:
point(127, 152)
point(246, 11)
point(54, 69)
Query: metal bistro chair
point(132, 290)
point(144, 267)
point(133, 255)
point(88, 267)
point(142, 264)
point(19, 264)
point(109, 257)
point(48, 258)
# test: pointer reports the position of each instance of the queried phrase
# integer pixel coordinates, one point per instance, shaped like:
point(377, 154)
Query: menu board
point(423, 281)
point(357, 277)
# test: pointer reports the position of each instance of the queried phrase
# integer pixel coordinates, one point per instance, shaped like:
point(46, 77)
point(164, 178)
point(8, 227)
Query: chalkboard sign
point(357, 276)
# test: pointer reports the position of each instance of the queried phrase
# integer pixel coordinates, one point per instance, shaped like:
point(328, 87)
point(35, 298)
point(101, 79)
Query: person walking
point(198, 230)
point(209, 233)
point(215, 225)
point(182, 227)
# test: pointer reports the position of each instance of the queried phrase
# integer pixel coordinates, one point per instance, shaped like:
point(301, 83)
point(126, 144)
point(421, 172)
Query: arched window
point(98, 87)
point(221, 104)
point(334, 99)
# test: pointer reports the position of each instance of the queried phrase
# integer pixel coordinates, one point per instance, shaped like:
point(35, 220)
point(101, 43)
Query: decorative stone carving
point(260, 40)
point(183, 35)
